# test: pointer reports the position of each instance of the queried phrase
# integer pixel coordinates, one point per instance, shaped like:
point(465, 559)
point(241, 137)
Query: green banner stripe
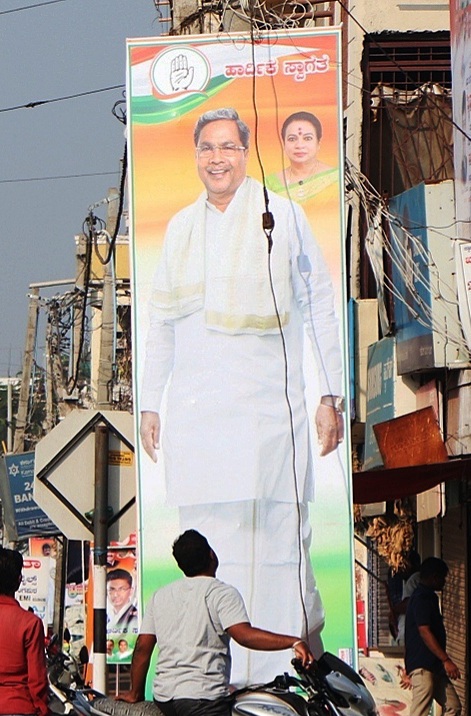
point(150, 110)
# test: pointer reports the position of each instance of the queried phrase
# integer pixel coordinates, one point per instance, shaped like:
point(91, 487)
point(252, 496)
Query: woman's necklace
point(301, 190)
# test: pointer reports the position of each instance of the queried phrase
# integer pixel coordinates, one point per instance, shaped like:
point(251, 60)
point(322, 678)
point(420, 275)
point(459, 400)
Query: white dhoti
point(237, 451)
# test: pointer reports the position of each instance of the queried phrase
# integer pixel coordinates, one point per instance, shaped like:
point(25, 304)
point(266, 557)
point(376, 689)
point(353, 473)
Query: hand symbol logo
point(181, 76)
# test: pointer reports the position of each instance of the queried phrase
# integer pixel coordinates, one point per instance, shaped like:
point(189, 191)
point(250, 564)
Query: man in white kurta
point(236, 437)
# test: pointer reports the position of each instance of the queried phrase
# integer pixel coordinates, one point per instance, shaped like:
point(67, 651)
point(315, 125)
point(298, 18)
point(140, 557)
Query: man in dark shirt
point(427, 662)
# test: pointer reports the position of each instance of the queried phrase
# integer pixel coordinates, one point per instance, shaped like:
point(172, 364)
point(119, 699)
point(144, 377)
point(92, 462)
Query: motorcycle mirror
point(83, 655)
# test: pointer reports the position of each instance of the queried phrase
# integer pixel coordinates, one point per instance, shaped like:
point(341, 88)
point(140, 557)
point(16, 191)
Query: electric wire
point(113, 238)
point(73, 380)
point(313, 336)
point(30, 7)
point(450, 327)
point(397, 252)
point(35, 367)
point(308, 287)
point(94, 234)
point(398, 66)
point(293, 447)
point(306, 278)
point(109, 253)
point(268, 226)
point(90, 229)
point(256, 4)
point(97, 235)
point(401, 261)
point(58, 176)
point(293, 437)
point(38, 103)
point(282, 23)
point(118, 110)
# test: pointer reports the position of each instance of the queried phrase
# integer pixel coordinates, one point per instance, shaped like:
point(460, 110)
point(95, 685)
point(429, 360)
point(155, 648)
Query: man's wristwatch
point(337, 402)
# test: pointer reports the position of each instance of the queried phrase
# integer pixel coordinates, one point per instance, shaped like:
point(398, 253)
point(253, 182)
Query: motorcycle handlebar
point(303, 670)
point(310, 676)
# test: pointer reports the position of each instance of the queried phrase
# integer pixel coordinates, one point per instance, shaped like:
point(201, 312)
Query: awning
point(383, 485)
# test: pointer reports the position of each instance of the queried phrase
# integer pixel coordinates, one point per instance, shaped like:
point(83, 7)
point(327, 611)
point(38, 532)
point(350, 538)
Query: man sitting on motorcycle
point(192, 620)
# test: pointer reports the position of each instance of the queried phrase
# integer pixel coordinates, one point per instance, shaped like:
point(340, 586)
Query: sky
point(49, 50)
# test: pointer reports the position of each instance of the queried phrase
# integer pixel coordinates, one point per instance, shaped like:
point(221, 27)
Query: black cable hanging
point(112, 243)
point(38, 103)
point(72, 384)
point(268, 225)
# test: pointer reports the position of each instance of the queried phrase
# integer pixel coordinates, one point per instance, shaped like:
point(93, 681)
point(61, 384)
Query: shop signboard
point(30, 519)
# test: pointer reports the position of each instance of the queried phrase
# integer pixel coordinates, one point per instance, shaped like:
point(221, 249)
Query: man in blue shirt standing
point(427, 662)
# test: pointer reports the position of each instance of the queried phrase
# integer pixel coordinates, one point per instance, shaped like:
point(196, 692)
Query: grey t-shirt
point(189, 619)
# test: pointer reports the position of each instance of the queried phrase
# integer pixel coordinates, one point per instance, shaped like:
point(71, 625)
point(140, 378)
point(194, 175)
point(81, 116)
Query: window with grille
point(407, 128)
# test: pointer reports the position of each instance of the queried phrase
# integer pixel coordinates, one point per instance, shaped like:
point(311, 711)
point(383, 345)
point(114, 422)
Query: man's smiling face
point(221, 175)
point(119, 592)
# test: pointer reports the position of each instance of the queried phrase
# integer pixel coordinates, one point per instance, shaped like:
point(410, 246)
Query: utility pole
point(56, 375)
point(60, 580)
point(79, 306)
point(100, 539)
point(49, 381)
point(108, 328)
point(9, 416)
point(9, 383)
point(28, 359)
point(22, 414)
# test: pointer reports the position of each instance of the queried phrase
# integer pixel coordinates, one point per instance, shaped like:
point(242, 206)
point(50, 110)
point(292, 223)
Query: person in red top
point(23, 675)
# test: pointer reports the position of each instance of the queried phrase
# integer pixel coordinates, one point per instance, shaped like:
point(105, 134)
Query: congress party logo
point(179, 70)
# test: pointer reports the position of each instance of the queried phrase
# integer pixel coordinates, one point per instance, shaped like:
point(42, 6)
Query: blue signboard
point(30, 520)
point(380, 396)
point(411, 279)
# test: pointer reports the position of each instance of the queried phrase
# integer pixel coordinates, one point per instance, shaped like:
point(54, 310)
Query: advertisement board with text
point(239, 461)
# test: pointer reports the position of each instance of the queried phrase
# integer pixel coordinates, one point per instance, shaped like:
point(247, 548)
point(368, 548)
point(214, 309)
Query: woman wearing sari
point(306, 176)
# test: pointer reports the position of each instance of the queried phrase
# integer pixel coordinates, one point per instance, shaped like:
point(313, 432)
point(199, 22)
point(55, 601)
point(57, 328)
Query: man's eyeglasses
point(118, 590)
point(227, 150)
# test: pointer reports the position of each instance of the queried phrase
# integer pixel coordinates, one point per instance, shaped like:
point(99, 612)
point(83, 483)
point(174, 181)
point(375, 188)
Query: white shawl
point(234, 290)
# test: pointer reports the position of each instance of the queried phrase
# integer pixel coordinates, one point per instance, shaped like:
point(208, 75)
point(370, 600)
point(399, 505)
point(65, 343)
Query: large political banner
point(460, 26)
point(286, 89)
point(460, 35)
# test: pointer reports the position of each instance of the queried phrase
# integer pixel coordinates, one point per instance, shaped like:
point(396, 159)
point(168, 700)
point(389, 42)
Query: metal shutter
point(454, 598)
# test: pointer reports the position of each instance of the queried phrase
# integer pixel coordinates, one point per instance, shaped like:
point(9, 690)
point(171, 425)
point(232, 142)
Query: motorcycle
point(329, 687)
point(65, 674)
point(69, 692)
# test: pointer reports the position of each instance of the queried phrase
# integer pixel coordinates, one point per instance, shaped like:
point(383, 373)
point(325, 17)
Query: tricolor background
point(163, 179)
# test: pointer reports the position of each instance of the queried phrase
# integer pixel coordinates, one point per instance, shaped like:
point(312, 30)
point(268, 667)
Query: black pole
point(100, 535)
